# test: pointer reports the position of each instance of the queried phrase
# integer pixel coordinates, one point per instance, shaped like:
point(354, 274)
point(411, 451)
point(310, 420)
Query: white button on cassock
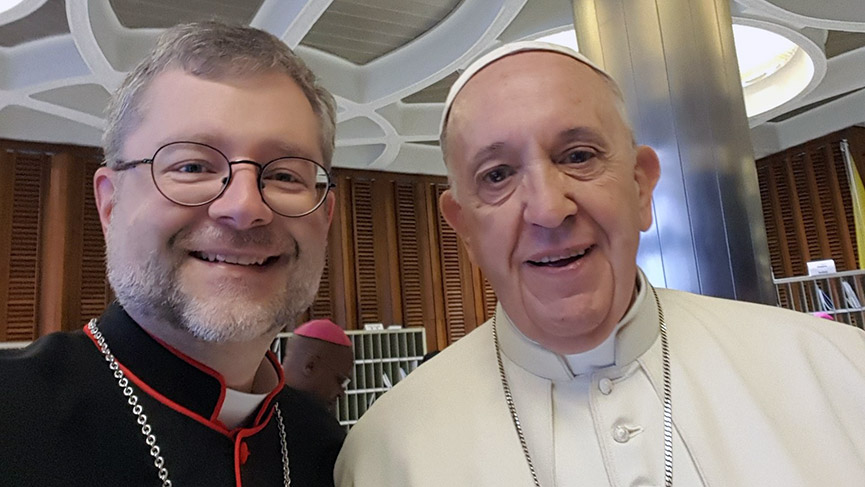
point(620, 434)
point(623, 433)
point(605, 385)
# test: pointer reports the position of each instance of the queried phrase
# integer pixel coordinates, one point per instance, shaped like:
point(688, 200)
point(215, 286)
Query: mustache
point(257, 237)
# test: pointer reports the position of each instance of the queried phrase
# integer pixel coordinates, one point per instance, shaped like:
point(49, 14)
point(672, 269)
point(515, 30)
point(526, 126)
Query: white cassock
point(761, 397)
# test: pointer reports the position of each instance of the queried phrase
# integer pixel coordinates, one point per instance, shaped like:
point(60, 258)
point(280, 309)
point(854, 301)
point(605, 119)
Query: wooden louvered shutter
point(409, 238)
point(7, 178)
point(95, 290)
point(807, 207)
point(803, 215)
point(834, 190)
point(321, 307)
point(20, 309)
point(791, 218)
point(366, 279)
point(773, 206)
point(457, 279)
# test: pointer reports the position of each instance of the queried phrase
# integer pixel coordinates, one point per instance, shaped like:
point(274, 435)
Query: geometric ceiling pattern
point(389, 63)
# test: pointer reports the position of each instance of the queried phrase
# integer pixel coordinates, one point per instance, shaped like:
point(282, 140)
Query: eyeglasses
point(195, 174)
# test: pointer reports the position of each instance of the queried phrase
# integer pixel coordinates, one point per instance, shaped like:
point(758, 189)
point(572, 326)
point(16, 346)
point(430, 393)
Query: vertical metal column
point(676, 63)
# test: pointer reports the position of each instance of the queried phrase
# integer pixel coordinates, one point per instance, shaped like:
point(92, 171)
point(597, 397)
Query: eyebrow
point(200, 137)
point(487, 152)
point(290, 149)
point(280, 148)
point(582, 134)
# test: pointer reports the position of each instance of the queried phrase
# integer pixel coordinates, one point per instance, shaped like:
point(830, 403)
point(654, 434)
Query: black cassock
point(64, 421)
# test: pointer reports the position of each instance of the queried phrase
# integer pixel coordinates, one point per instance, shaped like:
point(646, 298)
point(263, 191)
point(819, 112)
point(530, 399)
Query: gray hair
point(214, 50)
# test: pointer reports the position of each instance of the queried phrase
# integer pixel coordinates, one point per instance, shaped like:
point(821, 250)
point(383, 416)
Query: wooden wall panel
point(437, 331)
point(391, 257)
point(452, 279)
point(340, 251)
point(322, 306)
point(51, 246)
point(60, 245)
point(95, 291)
point(7, 183)
point(366, 276)
point(412, 275)
point(459, 280)
point(387, 251)
point(22, 305)
point(807, 204)
point(841, 220)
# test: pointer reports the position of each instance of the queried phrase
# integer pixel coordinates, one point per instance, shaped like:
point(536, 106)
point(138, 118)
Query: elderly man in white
point(587, 375)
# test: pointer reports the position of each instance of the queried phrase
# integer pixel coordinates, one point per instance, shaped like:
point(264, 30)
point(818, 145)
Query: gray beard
point(149, 287)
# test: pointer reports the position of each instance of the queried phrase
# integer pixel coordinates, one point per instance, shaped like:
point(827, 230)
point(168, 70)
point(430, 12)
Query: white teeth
point(232, 259)
point(553, 258)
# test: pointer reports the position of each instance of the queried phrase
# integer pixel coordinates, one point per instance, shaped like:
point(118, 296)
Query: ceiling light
point(761, 53)
point(8, 4)
point(776, 65)
point(567, 38)
point(773, 68)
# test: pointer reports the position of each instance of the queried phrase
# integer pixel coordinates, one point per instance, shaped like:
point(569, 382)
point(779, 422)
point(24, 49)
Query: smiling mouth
point(561, 260)
point(240, 260)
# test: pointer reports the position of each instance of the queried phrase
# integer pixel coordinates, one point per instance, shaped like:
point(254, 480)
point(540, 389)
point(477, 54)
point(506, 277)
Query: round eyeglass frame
point(124, 165)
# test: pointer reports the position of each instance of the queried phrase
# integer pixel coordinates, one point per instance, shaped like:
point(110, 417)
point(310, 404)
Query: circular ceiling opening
point(774, 69)
point(761, 53)
point(8, 4)
point(776, 64)
point(567, 38)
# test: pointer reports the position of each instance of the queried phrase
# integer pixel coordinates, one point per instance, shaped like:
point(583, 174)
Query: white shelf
point(382, 358)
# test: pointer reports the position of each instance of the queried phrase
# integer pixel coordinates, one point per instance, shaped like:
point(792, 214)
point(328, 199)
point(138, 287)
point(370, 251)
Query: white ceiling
point(389, 63)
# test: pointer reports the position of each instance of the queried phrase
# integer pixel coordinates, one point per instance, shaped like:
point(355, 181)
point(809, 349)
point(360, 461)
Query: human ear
point(104, 187)
point(453, 213)
point(647, 171)
point(309, 367)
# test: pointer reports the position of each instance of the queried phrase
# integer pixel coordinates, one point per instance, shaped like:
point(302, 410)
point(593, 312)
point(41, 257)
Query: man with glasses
point(318, 361)
point(215, 204)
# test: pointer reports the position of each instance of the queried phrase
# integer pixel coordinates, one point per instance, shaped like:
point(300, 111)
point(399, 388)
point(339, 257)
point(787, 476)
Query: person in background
point(429, 356)
point(319, 361)
point(587, 375)
point(215, 203)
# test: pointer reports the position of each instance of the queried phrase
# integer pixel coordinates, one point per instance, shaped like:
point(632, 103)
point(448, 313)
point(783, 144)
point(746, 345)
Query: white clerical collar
point(238, 406)
point(631, 337)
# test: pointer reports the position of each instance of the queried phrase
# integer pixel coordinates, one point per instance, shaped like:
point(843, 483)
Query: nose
point(241, 205)
point(548, 196)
